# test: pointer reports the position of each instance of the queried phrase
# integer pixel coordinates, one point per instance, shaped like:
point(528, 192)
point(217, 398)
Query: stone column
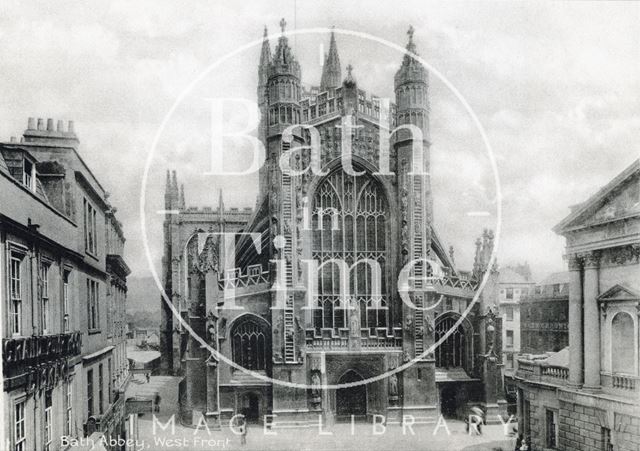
point(591, 322)
point(575, 321)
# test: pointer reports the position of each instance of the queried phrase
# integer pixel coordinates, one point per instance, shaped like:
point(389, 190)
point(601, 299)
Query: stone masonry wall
point(580, 427)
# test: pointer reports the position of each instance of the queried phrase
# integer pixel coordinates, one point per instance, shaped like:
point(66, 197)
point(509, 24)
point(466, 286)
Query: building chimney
point(31, 124)
point(13, 139)
point(70, 127)
point(60, 126)
point(40, 123)
point(50, 125)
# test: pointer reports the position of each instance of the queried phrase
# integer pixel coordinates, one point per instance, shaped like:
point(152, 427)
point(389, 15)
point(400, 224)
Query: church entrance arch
point(351, 400)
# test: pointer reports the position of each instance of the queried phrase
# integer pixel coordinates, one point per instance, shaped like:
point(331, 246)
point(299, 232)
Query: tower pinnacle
point(265, 60)
point(331, 71)
point(283, 61)
point(411, 69)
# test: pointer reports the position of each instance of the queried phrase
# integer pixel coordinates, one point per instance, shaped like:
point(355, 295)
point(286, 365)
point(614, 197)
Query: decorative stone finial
point(283, 24)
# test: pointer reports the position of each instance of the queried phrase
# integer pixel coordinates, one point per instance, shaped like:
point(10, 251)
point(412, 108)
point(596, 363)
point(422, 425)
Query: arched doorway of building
point(251, 407)
point(351, 400)
point(448, 403)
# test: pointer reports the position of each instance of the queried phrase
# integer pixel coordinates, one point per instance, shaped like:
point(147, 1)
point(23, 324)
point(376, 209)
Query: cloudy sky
point(555, 85)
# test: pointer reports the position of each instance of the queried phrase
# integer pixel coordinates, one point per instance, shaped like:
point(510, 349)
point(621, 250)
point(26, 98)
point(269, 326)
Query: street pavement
point(341, 436)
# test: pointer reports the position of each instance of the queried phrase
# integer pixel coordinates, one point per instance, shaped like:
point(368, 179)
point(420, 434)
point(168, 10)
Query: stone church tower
point(301, 318)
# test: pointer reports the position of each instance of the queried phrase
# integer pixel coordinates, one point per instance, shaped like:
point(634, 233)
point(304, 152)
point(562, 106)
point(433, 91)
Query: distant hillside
point(143, 295)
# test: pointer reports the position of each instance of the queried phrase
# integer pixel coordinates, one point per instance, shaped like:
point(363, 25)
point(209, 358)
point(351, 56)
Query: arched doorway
point(351, 400)
point(448, 404)
point(251, 407)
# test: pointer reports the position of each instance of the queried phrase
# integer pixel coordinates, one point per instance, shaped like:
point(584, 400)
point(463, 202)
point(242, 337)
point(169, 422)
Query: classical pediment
point(619, 292)
point(617, 200)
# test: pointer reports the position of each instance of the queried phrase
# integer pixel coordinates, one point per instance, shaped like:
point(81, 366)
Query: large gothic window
point(250, 345)
point(349, 224)
point(453, 352)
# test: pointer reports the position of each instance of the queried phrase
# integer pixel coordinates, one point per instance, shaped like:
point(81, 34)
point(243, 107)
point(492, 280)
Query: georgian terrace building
point(64, 294)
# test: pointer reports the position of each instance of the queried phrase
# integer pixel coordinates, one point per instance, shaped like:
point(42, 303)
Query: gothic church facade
point(382, 216)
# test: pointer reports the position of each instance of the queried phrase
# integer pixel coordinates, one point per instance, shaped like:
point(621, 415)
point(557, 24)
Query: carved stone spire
point(265, 60)
point(331, 71)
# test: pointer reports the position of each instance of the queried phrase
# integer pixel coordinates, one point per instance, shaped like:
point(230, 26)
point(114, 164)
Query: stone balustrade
point(540, 371)
point(620, 382)
point(381, 337)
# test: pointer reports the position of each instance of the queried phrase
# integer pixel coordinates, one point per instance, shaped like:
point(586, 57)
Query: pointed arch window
point(349, 224)
point(249, 345)
point(454, 351)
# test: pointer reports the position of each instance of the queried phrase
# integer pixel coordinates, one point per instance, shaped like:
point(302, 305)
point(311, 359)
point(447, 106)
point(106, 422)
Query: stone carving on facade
point(316, 387)
point(406, 357)
point(574, 262)
point(624, 254)
point(592, 259)
point(208, 259)
point(393, 388)
point(490, 336)
point(430, 323)
point(354, 319)
point(408, 325)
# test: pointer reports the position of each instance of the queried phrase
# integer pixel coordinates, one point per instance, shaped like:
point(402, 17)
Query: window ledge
point(93, 331)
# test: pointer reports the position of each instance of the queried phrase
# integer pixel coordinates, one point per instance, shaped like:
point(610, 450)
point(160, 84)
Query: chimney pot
point(13, 139)
point(40, 123)
point(60, 126)
point(31, 123)
point(70, 127)
point(50, 124)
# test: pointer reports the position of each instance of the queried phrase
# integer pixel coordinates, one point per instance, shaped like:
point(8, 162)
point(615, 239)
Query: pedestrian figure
point(148, 377)
point(157, 406)
point(243, 430)
point(518, 442)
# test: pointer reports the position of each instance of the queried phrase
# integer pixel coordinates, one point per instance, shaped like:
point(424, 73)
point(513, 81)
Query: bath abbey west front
point(378, 215)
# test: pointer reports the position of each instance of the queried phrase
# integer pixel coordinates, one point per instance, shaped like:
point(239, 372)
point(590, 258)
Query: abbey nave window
point(349, 224)
point(19, 436)
point(46, 304)
point(48, 420)
point(15, 275)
